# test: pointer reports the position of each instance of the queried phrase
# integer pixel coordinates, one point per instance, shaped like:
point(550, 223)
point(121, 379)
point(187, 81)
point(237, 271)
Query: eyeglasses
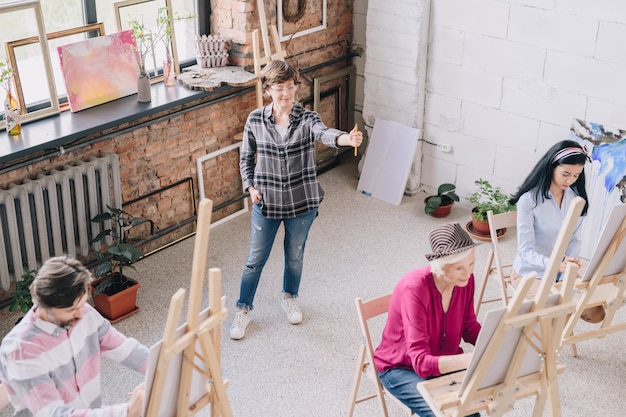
point(290, 89)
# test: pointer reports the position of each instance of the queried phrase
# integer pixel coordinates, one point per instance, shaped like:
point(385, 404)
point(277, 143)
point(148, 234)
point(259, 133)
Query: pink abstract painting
point(99, 70)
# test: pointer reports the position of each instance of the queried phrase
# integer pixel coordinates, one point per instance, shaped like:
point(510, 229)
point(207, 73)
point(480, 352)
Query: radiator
point(50, 215)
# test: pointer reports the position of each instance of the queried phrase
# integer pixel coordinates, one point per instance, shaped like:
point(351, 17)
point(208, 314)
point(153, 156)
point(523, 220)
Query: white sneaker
point(238, 328)
point(292, 308)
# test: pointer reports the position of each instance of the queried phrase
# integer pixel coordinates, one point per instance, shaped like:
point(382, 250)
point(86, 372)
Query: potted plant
point(22, 300)
point(486, 198)
point(146, 40)
point(115, 294)
point(11, 106)
point(440, 205)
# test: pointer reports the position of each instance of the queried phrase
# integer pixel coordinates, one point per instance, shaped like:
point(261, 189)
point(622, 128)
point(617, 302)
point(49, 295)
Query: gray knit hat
point(447, 240)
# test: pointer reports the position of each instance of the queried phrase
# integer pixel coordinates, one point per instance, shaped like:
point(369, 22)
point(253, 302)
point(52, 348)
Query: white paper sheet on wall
point(388, 161)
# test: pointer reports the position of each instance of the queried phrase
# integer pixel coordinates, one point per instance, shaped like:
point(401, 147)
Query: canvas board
point(500, 364)
point(388, 161)
point(618, 263)
point(99, 70)
point(169, 396)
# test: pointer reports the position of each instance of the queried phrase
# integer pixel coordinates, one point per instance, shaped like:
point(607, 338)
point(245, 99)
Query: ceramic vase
point(144, 94)
point(12, 114)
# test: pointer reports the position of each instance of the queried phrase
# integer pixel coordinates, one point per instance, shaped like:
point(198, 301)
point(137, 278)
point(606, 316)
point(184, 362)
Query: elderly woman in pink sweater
point(430, 310)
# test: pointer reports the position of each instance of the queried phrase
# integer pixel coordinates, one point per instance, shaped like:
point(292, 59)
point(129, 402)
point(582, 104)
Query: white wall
point(505, 78)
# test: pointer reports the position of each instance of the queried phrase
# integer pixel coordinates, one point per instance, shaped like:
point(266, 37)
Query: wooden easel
point(261, 60)
point(601, 289)
point(206, 334)
point(539, 329)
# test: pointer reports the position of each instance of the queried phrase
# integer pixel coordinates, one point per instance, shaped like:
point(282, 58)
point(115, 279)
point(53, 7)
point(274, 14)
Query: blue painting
point(606, 177)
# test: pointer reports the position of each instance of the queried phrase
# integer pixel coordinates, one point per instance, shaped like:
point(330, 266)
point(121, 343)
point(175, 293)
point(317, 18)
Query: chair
point(365, 364)
point(495, 266)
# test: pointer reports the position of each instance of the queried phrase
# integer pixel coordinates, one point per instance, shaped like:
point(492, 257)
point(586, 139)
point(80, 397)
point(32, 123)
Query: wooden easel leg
point(158, 384)
point(213, 365)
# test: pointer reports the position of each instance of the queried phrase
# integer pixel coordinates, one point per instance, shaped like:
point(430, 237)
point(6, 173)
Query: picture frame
point(126, 9)
point(349, 72)
point(300, 22)
point(13, 45)
point(332, 115)
point(200, 172)
point(35, 6)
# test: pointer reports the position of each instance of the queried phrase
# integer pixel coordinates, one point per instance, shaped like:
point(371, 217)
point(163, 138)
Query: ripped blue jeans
point(262, 234)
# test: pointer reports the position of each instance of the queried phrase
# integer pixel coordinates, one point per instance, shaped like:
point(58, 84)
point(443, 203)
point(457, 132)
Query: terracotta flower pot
point(117, 306)
point(480, 227)
point(443, 210)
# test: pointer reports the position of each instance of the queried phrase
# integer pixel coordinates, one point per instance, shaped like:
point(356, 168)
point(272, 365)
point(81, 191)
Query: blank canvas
point(611, 227)
point(499, 365)
point(388, 161)
point(169, 396)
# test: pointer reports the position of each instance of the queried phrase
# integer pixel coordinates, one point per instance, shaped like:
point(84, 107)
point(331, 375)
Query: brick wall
point(158, 154)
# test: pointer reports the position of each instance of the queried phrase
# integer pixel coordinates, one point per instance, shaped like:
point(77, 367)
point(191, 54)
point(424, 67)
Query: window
point(66, 16)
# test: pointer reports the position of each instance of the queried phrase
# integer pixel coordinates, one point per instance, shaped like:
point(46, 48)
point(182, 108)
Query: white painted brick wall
point(591, 77)
point(611, 43)
point(506, 75)
point(464, 83)
point(551, 30)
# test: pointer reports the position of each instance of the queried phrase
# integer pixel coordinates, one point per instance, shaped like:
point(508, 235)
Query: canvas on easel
point(516, 353)
point(187, 370)
point(604, 281)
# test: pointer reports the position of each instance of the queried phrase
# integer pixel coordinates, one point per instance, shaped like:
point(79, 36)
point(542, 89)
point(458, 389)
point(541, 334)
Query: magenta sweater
point(417, 331)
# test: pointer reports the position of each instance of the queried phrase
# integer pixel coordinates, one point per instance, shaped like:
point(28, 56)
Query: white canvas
point(169, 396)
point(388, 161)
point(618, 263)
point(500, 364)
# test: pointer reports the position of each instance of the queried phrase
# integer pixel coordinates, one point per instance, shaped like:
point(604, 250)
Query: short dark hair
point(60, 282)
point(540, 177)
point(277, 72)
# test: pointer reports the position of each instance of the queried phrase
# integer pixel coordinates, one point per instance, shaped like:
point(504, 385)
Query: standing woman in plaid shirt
point(278, 168)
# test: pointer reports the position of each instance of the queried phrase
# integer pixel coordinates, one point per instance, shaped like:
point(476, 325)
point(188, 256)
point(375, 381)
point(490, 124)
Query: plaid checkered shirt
point(284, 171)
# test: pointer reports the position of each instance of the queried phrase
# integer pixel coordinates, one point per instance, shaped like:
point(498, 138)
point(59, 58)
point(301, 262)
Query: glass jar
point(12, 115)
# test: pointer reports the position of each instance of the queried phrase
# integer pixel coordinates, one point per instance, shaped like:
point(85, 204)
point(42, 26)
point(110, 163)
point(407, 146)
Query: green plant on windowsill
point(22, 299)
point(120, 254)
point(486, 198)
point(147, 38)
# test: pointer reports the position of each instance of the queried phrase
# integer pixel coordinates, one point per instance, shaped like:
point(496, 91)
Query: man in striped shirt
point(50, 361)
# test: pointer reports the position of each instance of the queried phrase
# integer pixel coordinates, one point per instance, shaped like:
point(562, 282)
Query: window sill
point(50, 135)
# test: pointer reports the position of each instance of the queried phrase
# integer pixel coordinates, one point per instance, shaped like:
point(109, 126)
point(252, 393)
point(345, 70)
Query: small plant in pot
point(440, 205)
point(487, 198)
point(22, 300)
point(111, 283)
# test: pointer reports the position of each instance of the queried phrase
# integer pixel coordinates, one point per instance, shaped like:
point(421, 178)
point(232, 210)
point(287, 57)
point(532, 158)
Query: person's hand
point(255, 195)
point(356, 138)
point(135, 405)
point(569, 259)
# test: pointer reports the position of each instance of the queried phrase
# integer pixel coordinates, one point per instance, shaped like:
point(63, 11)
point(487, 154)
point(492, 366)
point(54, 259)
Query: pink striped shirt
point(50, 371)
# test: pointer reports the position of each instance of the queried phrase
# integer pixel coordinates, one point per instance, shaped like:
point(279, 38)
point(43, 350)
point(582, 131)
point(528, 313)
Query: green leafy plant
point(445, 196)
point(486, 198)
point(147, 38)
point(120, 254)
point(22, 299)
point(6, 76)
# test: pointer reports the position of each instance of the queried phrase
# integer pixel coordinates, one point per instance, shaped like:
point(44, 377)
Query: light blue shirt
point(538, 226)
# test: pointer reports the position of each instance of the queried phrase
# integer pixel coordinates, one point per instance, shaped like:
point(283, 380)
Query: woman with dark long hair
point(542, 202)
